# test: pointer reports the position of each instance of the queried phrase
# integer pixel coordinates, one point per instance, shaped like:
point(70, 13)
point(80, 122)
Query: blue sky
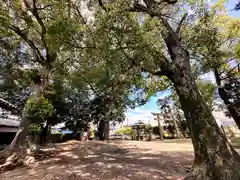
point(144, 112)
point(230, 5)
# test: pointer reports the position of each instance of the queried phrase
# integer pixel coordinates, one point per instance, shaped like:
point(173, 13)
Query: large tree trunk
point(101, 127)
point(106, 130)
point(15, 154)
point(225, 97)
point(43, 134)
point(176, 127)
point(175, 124)
point(215, 158)
point(20, 137)
point(160, 128)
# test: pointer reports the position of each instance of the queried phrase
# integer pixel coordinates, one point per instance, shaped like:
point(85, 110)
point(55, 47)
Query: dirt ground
point(113, 160)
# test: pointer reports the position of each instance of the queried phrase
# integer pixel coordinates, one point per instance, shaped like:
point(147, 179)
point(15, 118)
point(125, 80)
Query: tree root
point(11, 162)
point(13, 159)
point(204, 172)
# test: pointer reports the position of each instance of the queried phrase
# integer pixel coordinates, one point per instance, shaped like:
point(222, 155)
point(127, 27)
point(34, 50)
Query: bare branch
point(181, 23)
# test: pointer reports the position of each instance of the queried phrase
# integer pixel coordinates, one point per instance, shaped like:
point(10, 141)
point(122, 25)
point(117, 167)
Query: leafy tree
point(44, 30)
point(124, 130)
point(163, 43)
point(167, 111)
point(164, 48)
point(220, 57)
point(207, 90)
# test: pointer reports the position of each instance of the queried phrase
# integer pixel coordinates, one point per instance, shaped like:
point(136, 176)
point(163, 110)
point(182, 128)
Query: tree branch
point(39, 20)
point(45, 7)
point(228, 74)
point(134, 63)
point(17, 30)
point(169, 36)
point(181, 23)
point(102, 5)
point(140, 8)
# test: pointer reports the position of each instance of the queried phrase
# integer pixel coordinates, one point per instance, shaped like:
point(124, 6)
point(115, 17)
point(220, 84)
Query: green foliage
point(32, 75)
point(34, 128)
point(38, 108)
point(124, 130)
point(99, 78)
point(182, 125)
point(148, 129)
point(207, 90)
point(237, 50)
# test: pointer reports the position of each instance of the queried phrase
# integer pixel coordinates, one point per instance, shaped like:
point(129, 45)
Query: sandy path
point(117, 160)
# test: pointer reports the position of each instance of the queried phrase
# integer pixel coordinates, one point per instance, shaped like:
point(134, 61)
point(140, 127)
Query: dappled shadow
point(131, 163)
point(101, 160)
point(236, 142)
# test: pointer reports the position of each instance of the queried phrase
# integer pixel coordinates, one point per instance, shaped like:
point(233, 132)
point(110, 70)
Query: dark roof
point(9, 122)
point(8, 106)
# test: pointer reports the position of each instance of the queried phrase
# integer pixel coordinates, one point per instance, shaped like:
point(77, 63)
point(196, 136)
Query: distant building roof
point(222, 119)
point(8, 106)
point(9, 122)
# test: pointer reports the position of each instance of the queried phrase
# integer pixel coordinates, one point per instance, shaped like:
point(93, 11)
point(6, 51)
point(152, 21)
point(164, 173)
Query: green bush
point(38, 109)
point(34, 128)
point(125, 131)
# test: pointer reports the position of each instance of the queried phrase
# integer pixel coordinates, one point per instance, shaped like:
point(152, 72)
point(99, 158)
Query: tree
point(55, 32)
point(220, 55)
point(207, 90)
point(43, 28)
point(124, 130)
point(214, 156)
point(165, 106)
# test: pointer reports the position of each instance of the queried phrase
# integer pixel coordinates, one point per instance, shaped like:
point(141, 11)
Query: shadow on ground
point(236, 142)
point(109, 161)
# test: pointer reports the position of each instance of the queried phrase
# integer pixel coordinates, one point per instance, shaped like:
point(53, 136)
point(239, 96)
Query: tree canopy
point(63, 62)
